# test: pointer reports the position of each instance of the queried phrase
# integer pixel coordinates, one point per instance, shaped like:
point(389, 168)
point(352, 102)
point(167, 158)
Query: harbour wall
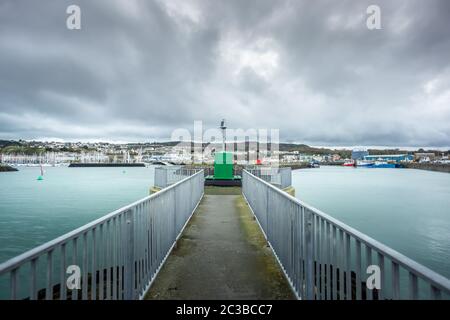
point(5, 168)
point(440, 167)
point(86, 165)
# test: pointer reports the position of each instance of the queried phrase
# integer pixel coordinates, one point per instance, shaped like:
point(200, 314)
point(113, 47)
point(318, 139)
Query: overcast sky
point(139, 69)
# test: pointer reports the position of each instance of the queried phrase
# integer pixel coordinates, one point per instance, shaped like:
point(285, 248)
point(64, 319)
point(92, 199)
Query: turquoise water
point(406, 209)
point(33, 212)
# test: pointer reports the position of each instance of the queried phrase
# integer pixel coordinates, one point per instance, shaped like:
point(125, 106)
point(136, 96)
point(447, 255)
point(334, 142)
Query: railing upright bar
point(395, 281)
point(129, 257)
point(114, 262)
point(33, 290)
point(135, 250)
point(135, 272)
point(302, 253)
point(382, 277)
point(152, 242)
point(108, 259)
point(291, 243)
point(121, 259)
point(435, 293)
point(348, 270)
point(295, 245)
point(62, 273)
point(75, 262)
point(94, 265)
point(335, 264)
point(143, 247)
point(322, 253)
point(358, 271)
point(101, 273)
point(328, 229)
point(147, 243)
point(316, 240)
point(150, 207)
point(138, 234)
point(84, 293)
point(341, 265)
point(309, 233)
point(369, 292)
point(13, 284)
point(49, 287)
point(142, 250)
point(138, 227)
point(120, 256)
point(413, 286)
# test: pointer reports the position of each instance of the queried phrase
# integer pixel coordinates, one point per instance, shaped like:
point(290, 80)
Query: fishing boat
point(349, 163)
point(364, 163)
point(383, 164)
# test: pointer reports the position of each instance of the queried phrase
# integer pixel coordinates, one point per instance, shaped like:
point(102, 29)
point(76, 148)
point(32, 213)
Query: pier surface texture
point(222, 254)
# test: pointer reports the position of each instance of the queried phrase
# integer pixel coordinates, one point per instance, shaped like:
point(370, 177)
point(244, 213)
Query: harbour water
point(33, 212)
point(406, 209)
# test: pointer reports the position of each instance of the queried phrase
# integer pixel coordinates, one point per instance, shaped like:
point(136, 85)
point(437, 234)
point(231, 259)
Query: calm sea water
point(408, 210)
point(33, 212)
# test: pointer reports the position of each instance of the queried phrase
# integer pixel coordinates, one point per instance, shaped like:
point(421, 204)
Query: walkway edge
point(291, 284)
point(141, 297)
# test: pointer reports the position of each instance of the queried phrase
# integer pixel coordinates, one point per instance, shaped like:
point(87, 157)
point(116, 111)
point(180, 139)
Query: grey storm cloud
point(139, 69)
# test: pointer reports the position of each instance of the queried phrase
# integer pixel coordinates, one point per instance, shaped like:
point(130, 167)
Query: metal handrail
point(323, 222)
point(116, 223)
point(280, 177)
point(168, 175)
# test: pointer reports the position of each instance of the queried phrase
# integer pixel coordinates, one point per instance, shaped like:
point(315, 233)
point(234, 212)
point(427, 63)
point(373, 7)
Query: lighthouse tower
point(223, 161)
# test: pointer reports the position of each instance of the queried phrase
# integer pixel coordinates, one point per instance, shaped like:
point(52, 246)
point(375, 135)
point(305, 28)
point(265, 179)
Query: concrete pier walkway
point(222, 254)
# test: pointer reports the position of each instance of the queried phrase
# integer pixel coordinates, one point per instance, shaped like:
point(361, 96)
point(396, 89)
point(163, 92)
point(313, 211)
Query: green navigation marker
point(223, 166)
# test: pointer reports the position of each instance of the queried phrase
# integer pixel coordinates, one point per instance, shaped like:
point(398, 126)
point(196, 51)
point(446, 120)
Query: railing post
point(309, 274)
point(129, 262)
point(267, 214)
point(175, 230)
